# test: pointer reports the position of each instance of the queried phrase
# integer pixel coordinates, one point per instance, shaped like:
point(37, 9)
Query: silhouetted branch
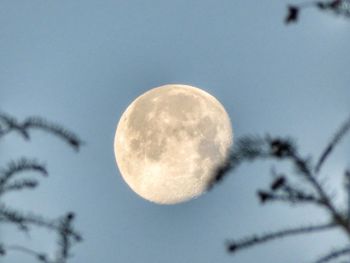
point(41, 257)
point(347, 190)
point(293, 14)
point(248, 148)
point(282, 190)
point(251, 148)
point(344, 129)
point(66, 238)
point(339, 7)
point(22, 165)
point(292, 198)
point(308, 190)
point(303, 168)
point(63, 226)
point(325, 198)
point(10, 124)
point(19, 185)
point(334, 255)
point(234, 246)
point(23, 221)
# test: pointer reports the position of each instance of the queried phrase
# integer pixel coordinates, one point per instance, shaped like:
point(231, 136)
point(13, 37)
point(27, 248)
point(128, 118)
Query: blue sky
point(81, 63)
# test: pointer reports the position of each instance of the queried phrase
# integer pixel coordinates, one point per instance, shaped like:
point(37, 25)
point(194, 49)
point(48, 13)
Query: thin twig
point(291, 199)
point(344, 129)
point(24, 221)
point(333, 255)
point(18, 185)
point(339, 7)
point(66, 239)
point(233, 246)
point(38, 255)
point(303, 168)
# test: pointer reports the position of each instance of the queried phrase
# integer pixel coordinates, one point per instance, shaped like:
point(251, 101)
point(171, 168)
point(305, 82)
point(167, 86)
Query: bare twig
point(66, 238)
point(41, 257)
point(334, 255)
point(233, 246)
point(338, 136)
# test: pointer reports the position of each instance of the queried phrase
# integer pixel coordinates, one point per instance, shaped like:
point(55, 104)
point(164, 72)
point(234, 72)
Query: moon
point(170, 140)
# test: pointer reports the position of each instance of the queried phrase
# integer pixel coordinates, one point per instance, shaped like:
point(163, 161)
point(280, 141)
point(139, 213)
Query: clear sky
point(81, 62)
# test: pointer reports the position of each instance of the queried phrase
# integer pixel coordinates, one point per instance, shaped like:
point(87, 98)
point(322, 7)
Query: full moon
point(170, 141)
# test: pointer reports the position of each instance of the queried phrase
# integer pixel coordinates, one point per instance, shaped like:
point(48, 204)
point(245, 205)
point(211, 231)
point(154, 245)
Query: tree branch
point(21, 165)
point(24, 221)
point(265, 196)
point(42, 257)
point(66, 238)
point(340, 7)
point(334, 255)
point(234, 246)
point(304, 169)
point(19, 185)
point(338, 136)
point(16, 167)
point(11, 124)
point(61, 226)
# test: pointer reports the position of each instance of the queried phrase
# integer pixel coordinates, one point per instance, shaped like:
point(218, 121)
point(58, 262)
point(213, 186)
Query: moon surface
point(169, 142)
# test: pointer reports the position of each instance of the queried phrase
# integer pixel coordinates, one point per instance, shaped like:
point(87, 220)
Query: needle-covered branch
point(254, 148)
point(306, 188)
point(234, 246)
point(14, 168)
point(62, 226)
point(10, 181)
point(9, 124)
point(247, 149)
point(294, 198)
point(282, 190)
point(67, 238)
point(305, 170)
point(22, 165)
point(24, 221)
point(40, 256)
point(18, 185)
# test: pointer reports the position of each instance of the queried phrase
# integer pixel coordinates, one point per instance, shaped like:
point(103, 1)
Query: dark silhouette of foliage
point(305, 188)
point(9, 124)
point(339, 7)
point(11, 180)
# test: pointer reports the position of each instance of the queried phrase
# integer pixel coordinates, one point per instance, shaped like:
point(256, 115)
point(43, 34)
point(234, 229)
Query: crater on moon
point(169, 141)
